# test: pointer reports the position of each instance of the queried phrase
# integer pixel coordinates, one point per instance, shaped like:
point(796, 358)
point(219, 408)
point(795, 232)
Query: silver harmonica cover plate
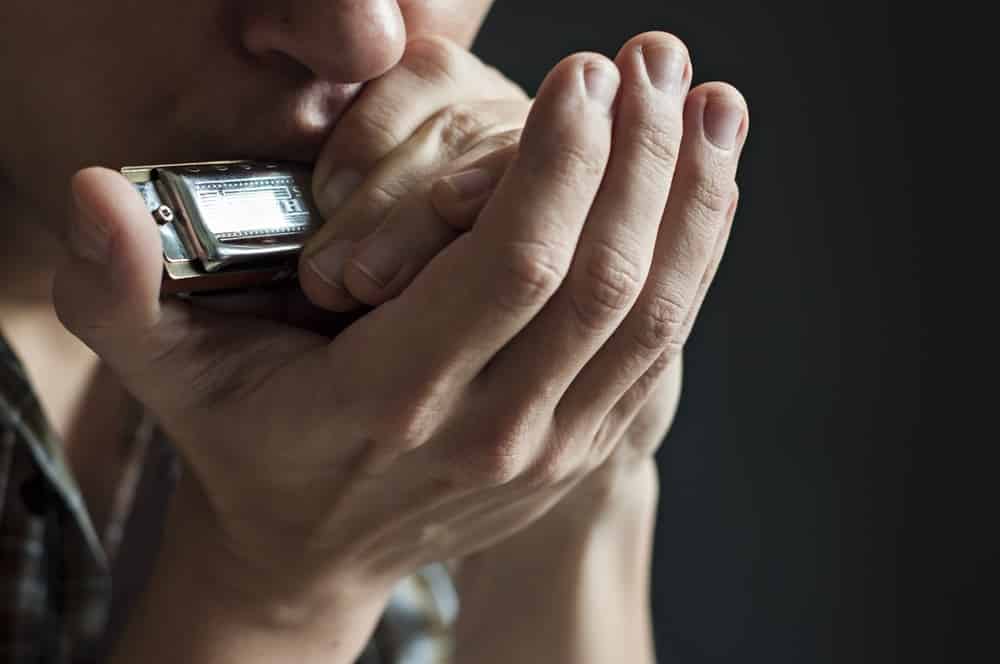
point(219, 215)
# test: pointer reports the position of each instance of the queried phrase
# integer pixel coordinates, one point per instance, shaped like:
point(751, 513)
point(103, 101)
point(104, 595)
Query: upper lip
point(306, 142)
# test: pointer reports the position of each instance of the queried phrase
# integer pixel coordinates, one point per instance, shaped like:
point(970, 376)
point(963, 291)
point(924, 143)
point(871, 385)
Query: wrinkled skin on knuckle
point(712, 193)
point(659, 143)
point(607, 285)
point(505, 444)
point(571, 164)
point(559, 464)
point(407, 428)
point(491, 460)
point(506, 142)
point(532, 272)
point(458, 127)
point(661, 324)
point(566, 147)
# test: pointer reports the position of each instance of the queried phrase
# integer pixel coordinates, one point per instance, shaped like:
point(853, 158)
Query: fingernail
point(337, 190)
point(382, 258)
point(667, 67)
point(470, 184)
point(722, 119)
point(88, 237)
point(328, 263)
point(602, 83)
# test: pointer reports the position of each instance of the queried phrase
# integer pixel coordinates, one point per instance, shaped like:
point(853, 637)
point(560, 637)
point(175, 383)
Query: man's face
point(118, 82)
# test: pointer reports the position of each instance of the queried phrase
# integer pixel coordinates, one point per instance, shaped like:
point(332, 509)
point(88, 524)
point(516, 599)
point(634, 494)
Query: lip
point(306, 122)
point(316, 117)
point(340, 98)
point(294, 130)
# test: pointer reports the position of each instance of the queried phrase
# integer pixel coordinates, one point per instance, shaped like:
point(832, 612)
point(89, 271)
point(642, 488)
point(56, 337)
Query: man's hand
point(440, 109)
point(378, 255)
point(453, 415)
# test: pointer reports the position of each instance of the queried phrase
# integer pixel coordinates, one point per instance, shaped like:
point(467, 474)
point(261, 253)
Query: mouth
point(306, 122)
point(294, 128)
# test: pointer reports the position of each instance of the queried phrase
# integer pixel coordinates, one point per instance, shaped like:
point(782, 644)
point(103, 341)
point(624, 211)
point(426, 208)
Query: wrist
point(612, 498)
point(205, 604)
point(612, 513)
point(573, 587)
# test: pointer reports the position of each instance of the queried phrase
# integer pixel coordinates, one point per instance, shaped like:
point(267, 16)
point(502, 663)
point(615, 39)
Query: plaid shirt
point(57, 604)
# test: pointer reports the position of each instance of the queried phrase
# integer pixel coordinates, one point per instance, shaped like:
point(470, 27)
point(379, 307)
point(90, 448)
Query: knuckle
point(433, 58)
point(407, 428)
point(499, 146)
point(609, 282)
point(495, 461)
point(660, 324)
point(573, 161)
point(410, 420)
point(555, 467)
point(458, 127)
point(532, 271)
point(565, 152)
point(711, 196)
point(659, 141)
point(549, 471)
point(369, 137)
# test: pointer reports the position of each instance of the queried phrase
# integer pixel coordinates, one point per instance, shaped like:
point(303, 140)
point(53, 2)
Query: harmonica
point(227, 224)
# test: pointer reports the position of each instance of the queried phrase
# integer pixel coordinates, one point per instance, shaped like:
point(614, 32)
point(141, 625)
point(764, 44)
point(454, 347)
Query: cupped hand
point(440, 108)
point(378, 258)
point(461, 410)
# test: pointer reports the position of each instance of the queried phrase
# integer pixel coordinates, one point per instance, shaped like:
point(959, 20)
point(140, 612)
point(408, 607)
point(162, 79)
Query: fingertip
point(455, 208)
point(111, 203)
point(321, 291)
point(111, 280)
point(107, 195)
point(700, 95)
point(654, 38)
point(363, 286)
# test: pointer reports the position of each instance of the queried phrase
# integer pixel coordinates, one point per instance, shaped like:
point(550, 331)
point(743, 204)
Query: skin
point(513, 430)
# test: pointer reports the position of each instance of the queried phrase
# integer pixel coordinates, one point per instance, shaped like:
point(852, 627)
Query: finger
point(458, 198)
point(665, 373)
point(481, 290)
point(433, 74)
point(425, 91)
point(408, 171)
point(108, 291)
point(616, 248)
point(384, 263)
point(715, 119)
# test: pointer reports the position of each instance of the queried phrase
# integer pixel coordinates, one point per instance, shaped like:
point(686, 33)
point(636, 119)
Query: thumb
point(107, 292)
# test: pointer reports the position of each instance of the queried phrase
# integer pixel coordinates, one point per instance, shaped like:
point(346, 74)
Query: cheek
point(458, 20)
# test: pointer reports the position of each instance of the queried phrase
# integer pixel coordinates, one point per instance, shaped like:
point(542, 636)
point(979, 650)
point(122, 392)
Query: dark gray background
point(784, 479)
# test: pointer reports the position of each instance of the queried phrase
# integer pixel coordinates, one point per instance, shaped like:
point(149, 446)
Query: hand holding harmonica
point(238, 224)
point(471, 403)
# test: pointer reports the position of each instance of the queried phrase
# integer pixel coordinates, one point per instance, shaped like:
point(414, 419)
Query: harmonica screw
point(163, 215)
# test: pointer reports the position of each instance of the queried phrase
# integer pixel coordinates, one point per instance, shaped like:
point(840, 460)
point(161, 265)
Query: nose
point(342, 41)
